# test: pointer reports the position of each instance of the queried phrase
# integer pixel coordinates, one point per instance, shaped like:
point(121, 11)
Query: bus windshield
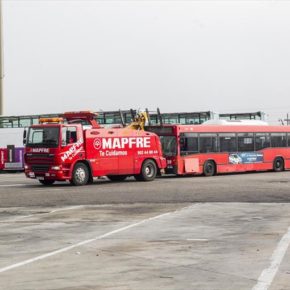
point(43, 137)
point(168, 145)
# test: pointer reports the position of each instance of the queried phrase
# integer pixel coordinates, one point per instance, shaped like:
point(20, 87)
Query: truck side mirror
point(68, 137)
point(24, 136)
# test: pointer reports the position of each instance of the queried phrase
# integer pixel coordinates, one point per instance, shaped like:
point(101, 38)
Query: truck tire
point(47, 182)
point(209, 168)
point(80, 175)
point(117, 177)
point(278, 164)
point(148, 171)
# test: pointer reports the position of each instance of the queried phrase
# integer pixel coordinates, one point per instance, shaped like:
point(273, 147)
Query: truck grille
point(39, 158)
point(40, 168)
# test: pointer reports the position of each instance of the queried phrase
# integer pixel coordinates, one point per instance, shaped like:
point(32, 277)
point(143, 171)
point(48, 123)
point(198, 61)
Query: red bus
point(213, 149)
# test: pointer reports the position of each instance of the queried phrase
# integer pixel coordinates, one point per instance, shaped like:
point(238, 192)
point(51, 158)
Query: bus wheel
point(46, 182)
point(148, 171)
point(80, 174)
point(278, 164)
point(117, 177)
point(209, 168)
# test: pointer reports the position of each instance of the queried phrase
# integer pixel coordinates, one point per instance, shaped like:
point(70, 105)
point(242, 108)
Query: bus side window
point(262, 140)
point(208, 143)
point(278, 139)
point(288, 142)
point(188, 143)
point(183, 144)
point(246, 142)
point(228, 142)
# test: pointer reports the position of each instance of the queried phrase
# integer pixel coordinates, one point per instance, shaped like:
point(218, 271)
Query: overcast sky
point(224, 56)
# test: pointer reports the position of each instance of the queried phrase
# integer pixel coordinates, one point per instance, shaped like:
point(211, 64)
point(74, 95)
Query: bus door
point(169, 149)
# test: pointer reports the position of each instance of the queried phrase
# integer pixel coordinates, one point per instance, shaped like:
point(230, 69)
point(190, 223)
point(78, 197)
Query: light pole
point(1, 62)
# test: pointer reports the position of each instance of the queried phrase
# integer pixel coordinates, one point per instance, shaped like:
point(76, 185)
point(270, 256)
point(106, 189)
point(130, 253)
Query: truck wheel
point(117, 177)
point(209, 168)
point(148, 171)
point(46, 182)
point(80, 174)
point(278, 164)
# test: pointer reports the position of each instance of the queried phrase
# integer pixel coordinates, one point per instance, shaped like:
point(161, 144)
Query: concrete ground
point(222, 232)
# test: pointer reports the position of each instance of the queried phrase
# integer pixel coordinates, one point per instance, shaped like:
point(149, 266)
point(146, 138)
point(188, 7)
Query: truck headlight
point(55, 167)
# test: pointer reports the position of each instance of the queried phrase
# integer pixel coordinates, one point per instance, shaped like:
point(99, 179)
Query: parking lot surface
point(222, 232)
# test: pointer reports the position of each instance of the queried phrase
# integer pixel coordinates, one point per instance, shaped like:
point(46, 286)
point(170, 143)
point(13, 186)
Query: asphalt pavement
point(221, 232)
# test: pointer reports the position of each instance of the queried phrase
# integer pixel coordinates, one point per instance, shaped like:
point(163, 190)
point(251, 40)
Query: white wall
point(11, 136)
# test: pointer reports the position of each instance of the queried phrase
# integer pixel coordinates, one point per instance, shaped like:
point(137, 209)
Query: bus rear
point(169, 140)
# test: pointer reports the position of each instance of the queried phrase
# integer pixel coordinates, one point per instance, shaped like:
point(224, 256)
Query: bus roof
point(167, 129)
point(231, 128)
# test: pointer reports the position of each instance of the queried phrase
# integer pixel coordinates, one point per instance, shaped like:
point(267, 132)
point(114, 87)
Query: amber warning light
point(51, 120)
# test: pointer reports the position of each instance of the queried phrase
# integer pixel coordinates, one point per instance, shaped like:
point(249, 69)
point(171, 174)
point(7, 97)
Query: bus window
point(278, 139)
point(288, 142)
point(228, 142)
point(208, 143)
point(188, 143)
point(262, 141)
point(168, 145)
point(245, 142)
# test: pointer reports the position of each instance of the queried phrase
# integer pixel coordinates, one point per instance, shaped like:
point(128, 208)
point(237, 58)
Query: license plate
point(31, 174)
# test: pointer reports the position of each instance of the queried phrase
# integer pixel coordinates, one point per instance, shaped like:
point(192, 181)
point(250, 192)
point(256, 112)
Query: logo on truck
point(121, 143)
point(97, 143)
point(73, 150)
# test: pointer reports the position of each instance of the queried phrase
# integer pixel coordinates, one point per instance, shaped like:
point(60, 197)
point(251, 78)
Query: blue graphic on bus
point(246, 158)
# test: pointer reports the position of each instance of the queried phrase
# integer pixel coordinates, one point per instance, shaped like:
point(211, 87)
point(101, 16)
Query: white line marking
point(12, 185)
point(41, 214)
point(66, 208)
point(44, 256)
point(267, 276)
point(198, 240)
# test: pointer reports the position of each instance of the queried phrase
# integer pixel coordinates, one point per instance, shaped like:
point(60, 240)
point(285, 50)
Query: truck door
point(72, 145)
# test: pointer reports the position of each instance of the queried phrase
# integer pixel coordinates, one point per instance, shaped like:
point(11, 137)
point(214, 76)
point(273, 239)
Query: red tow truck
point(76, 148)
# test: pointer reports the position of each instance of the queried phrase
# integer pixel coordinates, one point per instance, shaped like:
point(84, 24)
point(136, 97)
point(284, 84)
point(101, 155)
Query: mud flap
point(191, 165)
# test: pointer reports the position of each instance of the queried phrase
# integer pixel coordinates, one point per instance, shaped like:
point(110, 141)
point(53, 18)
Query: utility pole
point(287, 120)
point(1, 62)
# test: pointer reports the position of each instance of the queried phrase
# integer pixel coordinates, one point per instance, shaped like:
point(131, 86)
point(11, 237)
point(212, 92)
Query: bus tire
point(278, 164)
point(209, 168)
point(117, 177)
point(47, 182)
point(148, 171)
point(80, 175)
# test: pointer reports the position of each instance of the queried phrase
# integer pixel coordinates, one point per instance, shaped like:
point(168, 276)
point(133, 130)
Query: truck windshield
point(168, 145)
point(43, 137)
